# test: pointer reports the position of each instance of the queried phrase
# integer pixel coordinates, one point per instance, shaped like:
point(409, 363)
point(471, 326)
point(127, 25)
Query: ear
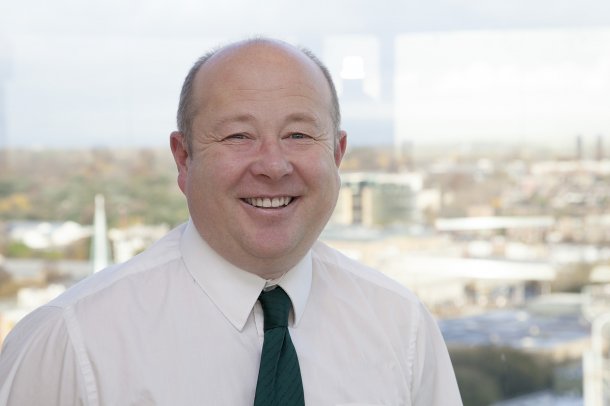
point(341, 147)
point(179, 148)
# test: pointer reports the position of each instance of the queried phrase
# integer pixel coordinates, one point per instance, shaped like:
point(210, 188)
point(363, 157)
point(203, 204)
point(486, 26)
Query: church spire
point(100, 253)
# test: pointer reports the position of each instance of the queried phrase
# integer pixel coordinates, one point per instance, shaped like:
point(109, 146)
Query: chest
point(213, 363)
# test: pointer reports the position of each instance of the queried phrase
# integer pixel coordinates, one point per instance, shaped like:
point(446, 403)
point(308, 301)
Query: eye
point(298, 136)
point(238, 136)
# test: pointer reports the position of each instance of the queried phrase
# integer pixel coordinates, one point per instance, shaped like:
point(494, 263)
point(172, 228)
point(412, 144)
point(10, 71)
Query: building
point(47, 235)
point(127, 242)
point(378, 199)
point(430, 265)
point(596, 361)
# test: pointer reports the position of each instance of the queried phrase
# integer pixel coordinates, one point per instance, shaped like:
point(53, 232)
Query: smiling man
point(241, 305)
point(259, 162)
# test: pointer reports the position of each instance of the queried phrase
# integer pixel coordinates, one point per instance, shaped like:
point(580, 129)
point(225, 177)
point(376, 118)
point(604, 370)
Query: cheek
point(196, 180)
point(322, 173)
point(212, 173)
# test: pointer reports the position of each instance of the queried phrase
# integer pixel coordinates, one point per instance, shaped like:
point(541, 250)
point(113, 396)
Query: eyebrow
point(302, 118)
point(298, 117)
point(240, 118)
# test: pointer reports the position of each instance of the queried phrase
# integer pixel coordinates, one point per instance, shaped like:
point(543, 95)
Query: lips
point(268, 202)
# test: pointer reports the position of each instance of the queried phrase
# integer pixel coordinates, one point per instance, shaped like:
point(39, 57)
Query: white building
point(431, 266)
point(45, 235)
point(127, 242)
point(596, 361)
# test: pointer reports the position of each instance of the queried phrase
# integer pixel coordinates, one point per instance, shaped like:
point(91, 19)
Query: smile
point(268, 202)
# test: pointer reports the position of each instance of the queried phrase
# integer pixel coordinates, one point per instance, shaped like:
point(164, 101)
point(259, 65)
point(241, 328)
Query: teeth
point(267, 202)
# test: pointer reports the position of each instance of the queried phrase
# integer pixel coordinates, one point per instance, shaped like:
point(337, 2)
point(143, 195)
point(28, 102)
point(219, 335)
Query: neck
point(267, 272)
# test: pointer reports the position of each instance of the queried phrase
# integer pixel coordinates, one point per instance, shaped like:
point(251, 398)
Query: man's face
point(262, 179)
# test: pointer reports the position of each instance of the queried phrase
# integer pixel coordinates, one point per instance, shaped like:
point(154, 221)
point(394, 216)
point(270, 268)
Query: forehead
point(261, 69)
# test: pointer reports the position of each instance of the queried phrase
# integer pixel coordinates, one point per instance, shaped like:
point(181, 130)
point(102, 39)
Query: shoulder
point(338, 266)
point(102, 292)
point(38, 353)
point(160, 255)
point(383, 307)
point(373, 301)
point(50, 341)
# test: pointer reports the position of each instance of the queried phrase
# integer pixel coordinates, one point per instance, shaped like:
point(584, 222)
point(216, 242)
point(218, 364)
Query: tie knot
point(276, 306)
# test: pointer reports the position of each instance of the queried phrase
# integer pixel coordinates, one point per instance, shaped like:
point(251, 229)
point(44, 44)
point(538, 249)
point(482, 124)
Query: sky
point(522, 85)
point(77, 73)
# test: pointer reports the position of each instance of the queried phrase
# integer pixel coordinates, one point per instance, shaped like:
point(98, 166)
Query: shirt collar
point(233, 290)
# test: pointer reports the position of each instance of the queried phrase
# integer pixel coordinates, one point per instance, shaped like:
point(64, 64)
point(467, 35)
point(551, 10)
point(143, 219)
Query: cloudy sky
point(81, 73)
point(520, 85)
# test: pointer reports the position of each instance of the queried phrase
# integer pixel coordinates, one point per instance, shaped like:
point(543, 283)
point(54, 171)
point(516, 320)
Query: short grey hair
point(186, 106)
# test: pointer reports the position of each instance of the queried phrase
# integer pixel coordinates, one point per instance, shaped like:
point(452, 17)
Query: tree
point(507, 372)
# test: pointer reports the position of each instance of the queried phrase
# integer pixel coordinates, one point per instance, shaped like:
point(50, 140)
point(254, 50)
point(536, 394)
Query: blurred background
point(477, 172)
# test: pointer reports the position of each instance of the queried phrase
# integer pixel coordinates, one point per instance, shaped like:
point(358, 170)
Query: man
point(257, 152)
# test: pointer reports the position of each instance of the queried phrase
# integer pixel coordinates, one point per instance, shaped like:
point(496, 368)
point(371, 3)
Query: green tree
point(512, 372)
point(17, 249)
point(477, 388)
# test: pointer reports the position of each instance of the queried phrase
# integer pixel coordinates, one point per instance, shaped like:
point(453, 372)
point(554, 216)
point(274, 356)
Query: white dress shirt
point(179, 325)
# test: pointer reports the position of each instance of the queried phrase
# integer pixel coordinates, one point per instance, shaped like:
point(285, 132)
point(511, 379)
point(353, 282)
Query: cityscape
point(477, 175)
point(510, 251)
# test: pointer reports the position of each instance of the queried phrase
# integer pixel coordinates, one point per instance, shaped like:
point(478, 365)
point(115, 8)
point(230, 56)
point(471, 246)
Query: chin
point(274, 250)
point(271, 252)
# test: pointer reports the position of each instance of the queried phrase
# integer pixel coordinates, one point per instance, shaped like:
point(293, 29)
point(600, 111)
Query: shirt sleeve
point(38, 364)
point(434, 382)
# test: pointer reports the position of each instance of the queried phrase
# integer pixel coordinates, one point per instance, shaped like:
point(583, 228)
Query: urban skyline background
point(108, 75)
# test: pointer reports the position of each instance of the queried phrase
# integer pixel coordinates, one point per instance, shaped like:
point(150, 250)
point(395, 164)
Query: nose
point(271, 160)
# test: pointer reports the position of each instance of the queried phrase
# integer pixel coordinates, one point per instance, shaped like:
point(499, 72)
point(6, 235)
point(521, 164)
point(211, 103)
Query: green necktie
point(279, 377)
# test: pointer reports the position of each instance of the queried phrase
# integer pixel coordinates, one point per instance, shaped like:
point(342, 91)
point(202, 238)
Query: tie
point(279, 378)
